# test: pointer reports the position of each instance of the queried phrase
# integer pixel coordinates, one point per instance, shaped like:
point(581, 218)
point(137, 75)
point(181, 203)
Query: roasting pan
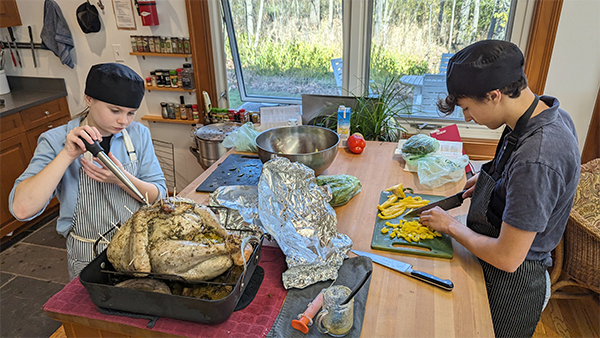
point(98, 279)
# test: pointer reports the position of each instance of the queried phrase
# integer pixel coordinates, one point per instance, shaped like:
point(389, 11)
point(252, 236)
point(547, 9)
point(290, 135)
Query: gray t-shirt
point(540, 178)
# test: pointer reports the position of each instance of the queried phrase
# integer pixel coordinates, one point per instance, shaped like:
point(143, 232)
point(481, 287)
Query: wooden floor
point(566, 318)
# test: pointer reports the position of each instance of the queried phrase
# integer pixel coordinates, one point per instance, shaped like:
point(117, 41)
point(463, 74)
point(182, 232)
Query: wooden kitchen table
point(397, 305)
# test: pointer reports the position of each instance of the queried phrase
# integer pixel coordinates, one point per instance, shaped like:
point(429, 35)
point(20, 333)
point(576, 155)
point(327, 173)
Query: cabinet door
point(9, 14)
point(15, 155)
point(45, 113)
point(34, 134)
point(11, 125)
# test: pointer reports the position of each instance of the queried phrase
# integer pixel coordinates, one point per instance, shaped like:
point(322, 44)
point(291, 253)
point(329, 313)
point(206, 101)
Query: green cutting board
point(437, 247)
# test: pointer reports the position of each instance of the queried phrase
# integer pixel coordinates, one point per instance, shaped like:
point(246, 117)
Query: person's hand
point(74, 146)
point(437, 219)
point(470, 186)
point(102, 173)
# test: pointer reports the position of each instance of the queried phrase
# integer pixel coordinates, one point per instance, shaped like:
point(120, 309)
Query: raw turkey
point(176, 236)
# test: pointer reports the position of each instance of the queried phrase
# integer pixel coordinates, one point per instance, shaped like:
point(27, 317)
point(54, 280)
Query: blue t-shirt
point(52, 142)
point(540, 178)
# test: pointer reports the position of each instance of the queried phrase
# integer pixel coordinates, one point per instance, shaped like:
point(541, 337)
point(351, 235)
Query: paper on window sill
point(271, 117)
point(451, 150)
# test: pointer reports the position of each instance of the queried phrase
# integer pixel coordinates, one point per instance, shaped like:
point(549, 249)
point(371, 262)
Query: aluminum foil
point(296, 212)
point(242, 213)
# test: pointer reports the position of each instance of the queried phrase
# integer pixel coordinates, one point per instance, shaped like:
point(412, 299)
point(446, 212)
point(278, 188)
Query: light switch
point(118, 53)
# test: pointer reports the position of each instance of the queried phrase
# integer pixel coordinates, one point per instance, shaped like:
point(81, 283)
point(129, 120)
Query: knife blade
point(31, 44)
point(12, 55)
point(406, 269)
point(12, 37)
point(447, 203)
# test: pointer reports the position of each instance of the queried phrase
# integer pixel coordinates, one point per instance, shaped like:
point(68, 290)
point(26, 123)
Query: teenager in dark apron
point(516, 298)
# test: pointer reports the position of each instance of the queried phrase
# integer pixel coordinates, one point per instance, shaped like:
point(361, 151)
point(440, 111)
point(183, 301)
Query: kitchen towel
point(253, 321)
point(297, 300)
point(56, 35)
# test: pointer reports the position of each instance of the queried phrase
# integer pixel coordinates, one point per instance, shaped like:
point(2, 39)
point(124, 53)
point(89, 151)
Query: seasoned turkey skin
point(175, 236)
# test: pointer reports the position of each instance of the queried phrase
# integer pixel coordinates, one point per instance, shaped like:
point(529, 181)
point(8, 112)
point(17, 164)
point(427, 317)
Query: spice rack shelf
point(170, 89)
point(144, 54)
point(158, 118)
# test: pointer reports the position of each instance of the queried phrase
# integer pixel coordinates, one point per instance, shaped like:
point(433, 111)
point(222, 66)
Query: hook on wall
point(100, 4)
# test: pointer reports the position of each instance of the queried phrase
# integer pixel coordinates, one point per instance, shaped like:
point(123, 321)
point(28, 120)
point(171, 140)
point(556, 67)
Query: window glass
point(284, 48)
point(412, 41)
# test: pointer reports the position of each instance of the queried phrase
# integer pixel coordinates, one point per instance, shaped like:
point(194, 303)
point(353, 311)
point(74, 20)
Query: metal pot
point(208, 141)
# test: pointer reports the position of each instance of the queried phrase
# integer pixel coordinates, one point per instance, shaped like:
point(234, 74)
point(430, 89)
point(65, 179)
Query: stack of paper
point(271, 117)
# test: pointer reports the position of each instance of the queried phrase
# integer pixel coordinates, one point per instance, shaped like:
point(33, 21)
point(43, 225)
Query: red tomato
point(356, 143)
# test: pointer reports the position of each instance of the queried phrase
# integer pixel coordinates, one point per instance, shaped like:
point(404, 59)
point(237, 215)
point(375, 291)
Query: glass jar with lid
point(187, 76)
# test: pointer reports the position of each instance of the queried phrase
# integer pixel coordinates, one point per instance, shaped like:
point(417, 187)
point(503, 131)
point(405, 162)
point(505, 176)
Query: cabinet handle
point(47, 113)
point(50, 126)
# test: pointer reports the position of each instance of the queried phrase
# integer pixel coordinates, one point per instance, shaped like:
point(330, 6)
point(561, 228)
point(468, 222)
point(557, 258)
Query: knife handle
point(93, 148)
point(12, 35)
point(30, 34)
point(445, 284)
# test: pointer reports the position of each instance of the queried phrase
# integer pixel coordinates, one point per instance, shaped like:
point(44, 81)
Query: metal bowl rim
point(300, 154)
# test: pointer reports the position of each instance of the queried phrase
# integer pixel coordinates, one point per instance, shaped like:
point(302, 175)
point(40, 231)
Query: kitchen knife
point(12, 55)
point(446, 204)
point(32, 49)
point(406, 269)
point(12, 37)
point(98, 152)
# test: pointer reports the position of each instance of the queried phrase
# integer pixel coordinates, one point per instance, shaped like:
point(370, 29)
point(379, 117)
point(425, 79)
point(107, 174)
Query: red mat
point(254, 321)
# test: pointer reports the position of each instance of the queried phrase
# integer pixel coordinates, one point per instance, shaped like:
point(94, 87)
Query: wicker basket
point(581, 265)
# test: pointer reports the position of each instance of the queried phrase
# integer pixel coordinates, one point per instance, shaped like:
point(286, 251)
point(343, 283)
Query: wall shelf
point(170, 89)
point(144, 54)
point(159, 118)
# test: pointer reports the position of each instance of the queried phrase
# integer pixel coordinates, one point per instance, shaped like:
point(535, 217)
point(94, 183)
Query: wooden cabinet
point(19, 134)
point(9, 13)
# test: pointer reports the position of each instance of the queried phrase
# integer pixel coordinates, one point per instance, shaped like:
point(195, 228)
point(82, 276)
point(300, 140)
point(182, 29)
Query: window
point(278, 50)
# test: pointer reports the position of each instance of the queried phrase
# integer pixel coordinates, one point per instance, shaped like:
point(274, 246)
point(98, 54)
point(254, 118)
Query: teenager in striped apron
point(92, 199)
point(520, 201)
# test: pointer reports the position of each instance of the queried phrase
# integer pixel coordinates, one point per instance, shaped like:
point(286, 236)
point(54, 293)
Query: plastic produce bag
point(436, 170)
point(343, 187)
point(242, 139)
point(419, 146)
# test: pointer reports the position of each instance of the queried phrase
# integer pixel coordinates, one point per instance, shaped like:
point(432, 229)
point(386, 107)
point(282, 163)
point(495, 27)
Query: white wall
point(574, 74)
point(96, 48)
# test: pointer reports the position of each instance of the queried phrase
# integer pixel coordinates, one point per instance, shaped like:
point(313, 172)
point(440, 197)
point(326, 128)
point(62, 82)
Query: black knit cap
point(115, 84)
point(484, 66)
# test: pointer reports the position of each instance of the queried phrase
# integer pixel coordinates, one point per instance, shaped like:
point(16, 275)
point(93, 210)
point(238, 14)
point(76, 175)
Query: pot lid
point(217, 131)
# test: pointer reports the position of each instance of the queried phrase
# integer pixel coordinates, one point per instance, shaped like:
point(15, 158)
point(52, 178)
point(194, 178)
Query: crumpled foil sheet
point(290, 206)
point(296, 212)
point(242, 201)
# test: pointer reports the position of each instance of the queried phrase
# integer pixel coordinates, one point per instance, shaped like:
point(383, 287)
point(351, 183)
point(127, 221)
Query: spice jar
point(159, 78)
point(157, 44)
point(173, 77)
point(163, 47)
point(153, 76)
point(148, 82)
point(195, 113)
point(186, 46)
point(151, 44)
point(163, 110)
point(168, 45)
point(182, 111)
point(171, 111)
point(145, 42)
point(140, 44)
point(175, 45)
point(179, 77)
point(134, 47)
point(189, 112)
point(180, 45)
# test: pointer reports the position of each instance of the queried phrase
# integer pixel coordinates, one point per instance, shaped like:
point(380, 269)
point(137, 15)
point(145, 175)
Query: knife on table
point(12, 37)
point(406, 269)
point(31, 44)
point(446, 204)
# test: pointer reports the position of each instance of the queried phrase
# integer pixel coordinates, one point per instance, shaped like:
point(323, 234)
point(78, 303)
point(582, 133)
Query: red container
point(147, 10)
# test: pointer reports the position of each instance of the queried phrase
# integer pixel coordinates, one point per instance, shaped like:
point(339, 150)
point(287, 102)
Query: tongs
point(98, 152)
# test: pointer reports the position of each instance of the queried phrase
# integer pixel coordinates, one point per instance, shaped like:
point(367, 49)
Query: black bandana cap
point(484, 66)
point(116, 84)
point(88, 18)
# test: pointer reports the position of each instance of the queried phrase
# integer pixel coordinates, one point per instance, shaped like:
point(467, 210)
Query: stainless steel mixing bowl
point(312, 146)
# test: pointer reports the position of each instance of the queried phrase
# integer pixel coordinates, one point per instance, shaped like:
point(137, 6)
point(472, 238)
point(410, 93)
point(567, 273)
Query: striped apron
point(99, 207)
point(516, 299)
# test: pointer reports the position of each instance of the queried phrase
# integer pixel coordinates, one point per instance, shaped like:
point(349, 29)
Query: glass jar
point(159, 78)
point(133, 39)
point(182, 111)
point(173, 77)
point(180, 46)
point(157, 44)
point(336, 319)
point(179, 77)
point(195, 113)
point(151, 44)
point(153, 76)
point(163, 46)
point(175, 45)
point(145, 42)
point(189, 112)
point(163, 110)
point(148, 82)
point(186, 46)
point(187, 76)
point(168, 49)
point(171, 111)
point(140, 44)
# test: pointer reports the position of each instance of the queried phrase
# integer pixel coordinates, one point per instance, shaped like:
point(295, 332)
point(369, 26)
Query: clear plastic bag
point(419, 146)
point(435, 170)
point(242, 139)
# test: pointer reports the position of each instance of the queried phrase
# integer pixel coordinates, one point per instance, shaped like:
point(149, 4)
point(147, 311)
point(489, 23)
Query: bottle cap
point(187, 65)
point(179, 70)
point(173, 72)
point(181, 99)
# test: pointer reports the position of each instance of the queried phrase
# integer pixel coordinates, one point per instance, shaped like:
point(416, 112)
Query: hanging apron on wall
point(516, 299)
point(99, 207)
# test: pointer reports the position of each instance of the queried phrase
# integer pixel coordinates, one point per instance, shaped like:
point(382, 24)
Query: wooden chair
point(577, 256)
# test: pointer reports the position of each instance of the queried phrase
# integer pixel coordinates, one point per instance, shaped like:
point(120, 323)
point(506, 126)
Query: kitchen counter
point(397, 305)
point(27, 92)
